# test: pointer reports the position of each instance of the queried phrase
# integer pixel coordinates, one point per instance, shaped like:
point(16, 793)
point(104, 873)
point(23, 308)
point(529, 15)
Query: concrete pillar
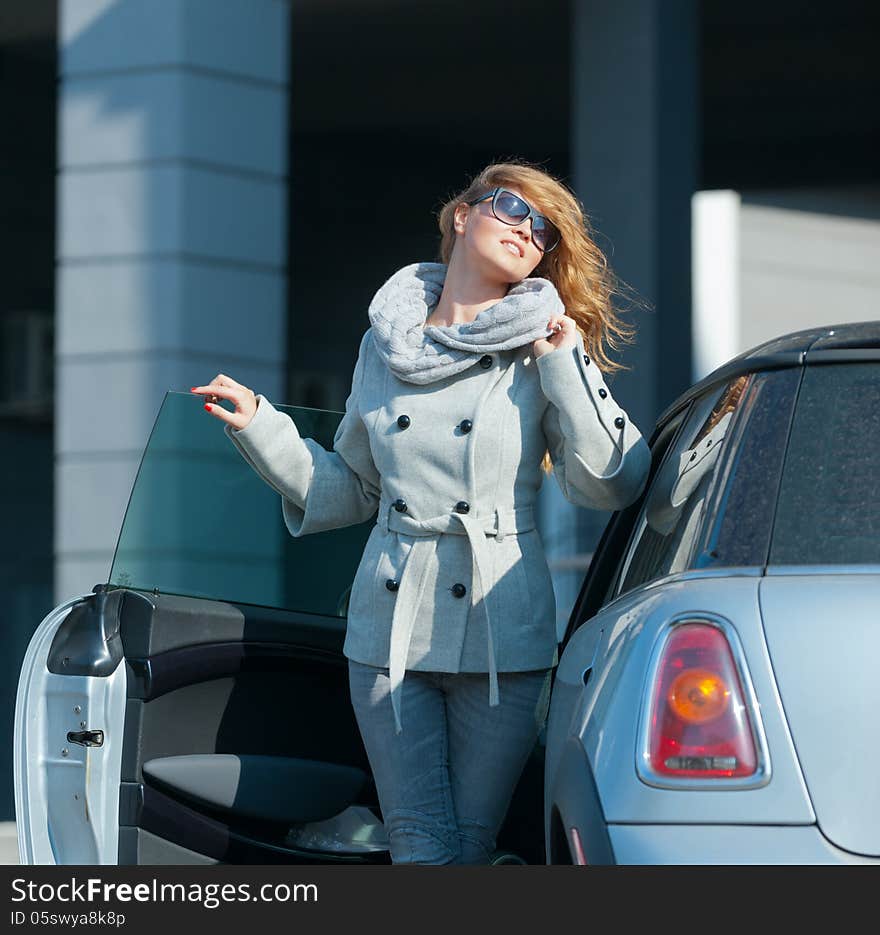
point(171, 243)
point(634, 147)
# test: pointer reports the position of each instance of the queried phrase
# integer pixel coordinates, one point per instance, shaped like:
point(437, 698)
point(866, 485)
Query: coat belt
point(413, 577)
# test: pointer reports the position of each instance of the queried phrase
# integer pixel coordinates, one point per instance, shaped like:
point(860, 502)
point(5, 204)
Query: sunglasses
point(511, 209)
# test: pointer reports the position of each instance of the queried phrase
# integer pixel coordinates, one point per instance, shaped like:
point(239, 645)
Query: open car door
point(195, 708)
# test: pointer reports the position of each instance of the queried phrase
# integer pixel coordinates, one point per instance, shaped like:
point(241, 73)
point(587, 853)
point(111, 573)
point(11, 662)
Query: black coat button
point(462, 507)
point(603, 392)
point(403, 421)
point(693, 456)
point(458, 589)
point(392, 584)
point(586, 359)
point(486, 361)
point(399, 505)
point(466, 425)
point(618, 422)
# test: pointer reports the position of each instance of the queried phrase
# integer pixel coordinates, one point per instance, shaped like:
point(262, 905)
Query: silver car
point(715, 702)
point(712, 703)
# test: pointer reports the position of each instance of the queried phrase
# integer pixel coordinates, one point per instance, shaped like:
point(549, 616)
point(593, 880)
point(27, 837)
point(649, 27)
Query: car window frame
point(681, 416)
point(713, 391)
point(598, 586)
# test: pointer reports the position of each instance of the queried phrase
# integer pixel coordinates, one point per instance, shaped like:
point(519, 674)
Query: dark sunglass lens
point(511, 208)
point(545, 234)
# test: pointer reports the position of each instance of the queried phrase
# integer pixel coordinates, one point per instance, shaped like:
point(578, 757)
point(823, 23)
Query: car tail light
point(699, 724)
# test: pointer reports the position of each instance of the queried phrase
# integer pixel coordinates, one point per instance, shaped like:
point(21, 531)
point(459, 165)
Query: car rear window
point(828, 511)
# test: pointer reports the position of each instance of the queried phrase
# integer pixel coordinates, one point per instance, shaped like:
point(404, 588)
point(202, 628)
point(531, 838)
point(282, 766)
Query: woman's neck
point(466, 293)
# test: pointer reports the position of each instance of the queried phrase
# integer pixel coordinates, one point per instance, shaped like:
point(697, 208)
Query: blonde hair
point(577, 267)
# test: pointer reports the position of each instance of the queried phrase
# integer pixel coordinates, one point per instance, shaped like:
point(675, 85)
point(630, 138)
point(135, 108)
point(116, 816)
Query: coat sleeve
point(598, 463)
point(319, 489)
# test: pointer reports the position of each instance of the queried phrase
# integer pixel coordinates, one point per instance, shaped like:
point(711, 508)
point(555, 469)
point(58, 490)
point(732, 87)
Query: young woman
point(475, 373)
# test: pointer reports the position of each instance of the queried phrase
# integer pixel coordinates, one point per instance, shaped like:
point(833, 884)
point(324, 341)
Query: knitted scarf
point(418, 354)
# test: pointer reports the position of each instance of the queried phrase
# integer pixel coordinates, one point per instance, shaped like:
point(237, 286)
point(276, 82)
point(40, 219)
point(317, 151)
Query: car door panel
point(255, 694)
point(210, 667)
point(66, 793)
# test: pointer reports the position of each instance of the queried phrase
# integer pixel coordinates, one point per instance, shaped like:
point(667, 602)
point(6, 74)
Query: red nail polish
point(192, 389)
point(208, 406)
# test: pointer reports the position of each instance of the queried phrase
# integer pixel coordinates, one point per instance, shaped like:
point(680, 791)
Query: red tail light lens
point(699, 724)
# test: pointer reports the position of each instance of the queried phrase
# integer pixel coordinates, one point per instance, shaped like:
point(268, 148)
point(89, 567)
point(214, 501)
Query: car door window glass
point(659, 446)
point(201, 522)
point(670, 519)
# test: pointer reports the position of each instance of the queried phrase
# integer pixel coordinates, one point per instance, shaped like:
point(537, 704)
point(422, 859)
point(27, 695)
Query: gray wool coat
point(442, 438)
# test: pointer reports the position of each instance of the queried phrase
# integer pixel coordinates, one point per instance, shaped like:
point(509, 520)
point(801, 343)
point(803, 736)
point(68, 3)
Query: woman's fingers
point(563, 320)
point(237, 419)
point(563, 334)
point(217, 389)
point(224, 415)
point(224, 387)
point(219, 384)
point(224, 380)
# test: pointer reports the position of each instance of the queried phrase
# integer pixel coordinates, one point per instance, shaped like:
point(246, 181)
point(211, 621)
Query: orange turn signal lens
point(698, 696)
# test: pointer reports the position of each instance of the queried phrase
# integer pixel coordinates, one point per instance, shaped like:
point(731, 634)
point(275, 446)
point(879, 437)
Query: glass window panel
point(741, 511)
point(201, 522)
point(829, 502)
point(671, 518)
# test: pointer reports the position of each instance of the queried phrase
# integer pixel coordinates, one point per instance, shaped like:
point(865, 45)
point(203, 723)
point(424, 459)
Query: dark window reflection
point(829, 505)
point(671, 519)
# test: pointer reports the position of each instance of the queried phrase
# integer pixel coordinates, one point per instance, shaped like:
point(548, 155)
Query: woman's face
point(505, 252)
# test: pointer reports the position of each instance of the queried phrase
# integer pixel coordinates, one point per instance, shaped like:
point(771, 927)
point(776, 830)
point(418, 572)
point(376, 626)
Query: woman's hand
point(223, 387)
point(565, 337)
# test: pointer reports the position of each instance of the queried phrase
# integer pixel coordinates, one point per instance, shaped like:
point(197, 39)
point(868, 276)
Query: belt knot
point(413, 577)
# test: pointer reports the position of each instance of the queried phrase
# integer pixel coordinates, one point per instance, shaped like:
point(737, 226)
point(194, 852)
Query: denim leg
point(411, 768)
point(488, 749)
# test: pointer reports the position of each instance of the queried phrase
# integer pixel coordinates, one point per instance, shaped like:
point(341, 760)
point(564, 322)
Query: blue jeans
point(445, 782)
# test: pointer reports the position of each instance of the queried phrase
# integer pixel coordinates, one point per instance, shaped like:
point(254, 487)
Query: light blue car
point(714, 701)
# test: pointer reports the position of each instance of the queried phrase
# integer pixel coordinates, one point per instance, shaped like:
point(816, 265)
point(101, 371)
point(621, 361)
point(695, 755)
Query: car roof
point(788, 350)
